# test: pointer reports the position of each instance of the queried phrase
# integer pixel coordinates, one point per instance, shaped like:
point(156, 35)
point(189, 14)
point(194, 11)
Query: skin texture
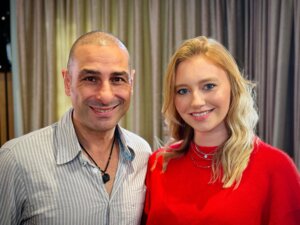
point(100, 86)
point(99, 83)
point(202, 99)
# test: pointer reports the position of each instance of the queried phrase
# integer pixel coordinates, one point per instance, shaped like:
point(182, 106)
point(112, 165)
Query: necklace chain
point(105, 176)
point(197, 164)
point(200, 156)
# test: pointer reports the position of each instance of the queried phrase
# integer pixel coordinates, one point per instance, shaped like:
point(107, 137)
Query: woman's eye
point(182, 91)
point(209, 86)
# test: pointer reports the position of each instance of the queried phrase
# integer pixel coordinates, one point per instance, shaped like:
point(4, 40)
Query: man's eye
point(119, 80)
point(90, 79)
point(209, 86)
point(182, 91)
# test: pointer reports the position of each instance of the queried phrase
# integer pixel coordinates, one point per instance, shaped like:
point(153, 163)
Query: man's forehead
point(93, 53)
point(101, 51)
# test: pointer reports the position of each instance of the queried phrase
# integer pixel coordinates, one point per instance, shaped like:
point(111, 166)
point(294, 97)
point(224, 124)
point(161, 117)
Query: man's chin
point(104, 126)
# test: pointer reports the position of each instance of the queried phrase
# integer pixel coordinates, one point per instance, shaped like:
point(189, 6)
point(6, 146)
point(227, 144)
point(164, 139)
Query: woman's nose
point(198, 99)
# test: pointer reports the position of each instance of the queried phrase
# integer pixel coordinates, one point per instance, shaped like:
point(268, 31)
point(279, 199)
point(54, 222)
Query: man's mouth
point(103, 109)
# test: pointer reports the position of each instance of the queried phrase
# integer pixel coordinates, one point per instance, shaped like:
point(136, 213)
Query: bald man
point(84, 169)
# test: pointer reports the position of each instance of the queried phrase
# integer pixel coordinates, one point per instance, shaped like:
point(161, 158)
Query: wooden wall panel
point(6, 108)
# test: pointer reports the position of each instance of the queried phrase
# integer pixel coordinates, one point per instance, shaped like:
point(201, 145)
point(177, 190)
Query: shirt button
point(95, 170)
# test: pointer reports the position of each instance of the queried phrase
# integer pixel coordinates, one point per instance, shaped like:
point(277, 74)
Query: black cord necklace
point(105, 176)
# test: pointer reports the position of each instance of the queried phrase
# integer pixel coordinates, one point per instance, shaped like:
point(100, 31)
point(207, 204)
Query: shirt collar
point(126, 151)
point(67, 145)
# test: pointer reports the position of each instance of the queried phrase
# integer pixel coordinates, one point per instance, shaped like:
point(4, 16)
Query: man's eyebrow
point(88, 71)
point(120, 73)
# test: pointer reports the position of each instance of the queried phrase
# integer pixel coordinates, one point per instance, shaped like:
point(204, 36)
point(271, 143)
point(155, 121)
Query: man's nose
point(105, 92)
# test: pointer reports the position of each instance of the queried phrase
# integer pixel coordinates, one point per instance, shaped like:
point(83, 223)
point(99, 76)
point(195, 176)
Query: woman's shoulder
point(265, 149)
point(167, 148)
point(279, 170)
point(157, 155)
point(272, 157)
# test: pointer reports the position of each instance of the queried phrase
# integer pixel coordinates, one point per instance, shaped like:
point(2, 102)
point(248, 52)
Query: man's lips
point(103, 109)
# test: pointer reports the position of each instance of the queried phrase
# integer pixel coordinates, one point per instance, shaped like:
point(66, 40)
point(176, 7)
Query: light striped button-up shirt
point(45, 179)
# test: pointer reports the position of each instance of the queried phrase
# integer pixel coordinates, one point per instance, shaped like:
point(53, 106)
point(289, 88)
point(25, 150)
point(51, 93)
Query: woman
point(215, 170)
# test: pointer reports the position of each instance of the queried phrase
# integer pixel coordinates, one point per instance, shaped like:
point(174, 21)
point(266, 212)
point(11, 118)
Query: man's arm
point(12, 189)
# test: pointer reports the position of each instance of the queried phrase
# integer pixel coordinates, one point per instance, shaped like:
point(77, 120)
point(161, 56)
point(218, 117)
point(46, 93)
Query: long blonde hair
point(233, 156)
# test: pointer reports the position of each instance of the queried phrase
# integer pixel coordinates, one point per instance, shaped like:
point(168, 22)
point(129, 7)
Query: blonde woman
point(215, 170)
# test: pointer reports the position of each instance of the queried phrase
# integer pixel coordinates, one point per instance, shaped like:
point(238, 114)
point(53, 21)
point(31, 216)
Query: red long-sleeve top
point(269, 192)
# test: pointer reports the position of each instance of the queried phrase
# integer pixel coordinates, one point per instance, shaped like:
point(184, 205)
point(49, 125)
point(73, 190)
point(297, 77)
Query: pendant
point(105, 177)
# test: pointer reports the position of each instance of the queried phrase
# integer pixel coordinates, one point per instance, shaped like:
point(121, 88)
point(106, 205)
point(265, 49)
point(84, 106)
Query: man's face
point(99, 84)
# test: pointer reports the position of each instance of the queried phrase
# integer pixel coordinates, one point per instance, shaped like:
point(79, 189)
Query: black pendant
point(105, 177)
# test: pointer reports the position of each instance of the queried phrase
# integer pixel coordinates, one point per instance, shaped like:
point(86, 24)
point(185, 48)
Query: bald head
point(96, 38)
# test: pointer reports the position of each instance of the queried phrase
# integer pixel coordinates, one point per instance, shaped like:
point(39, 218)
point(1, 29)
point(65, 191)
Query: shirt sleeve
point(285, 192)
point(12, 189)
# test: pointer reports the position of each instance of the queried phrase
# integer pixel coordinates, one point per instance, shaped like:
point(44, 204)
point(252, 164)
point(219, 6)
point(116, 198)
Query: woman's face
point(202, 97)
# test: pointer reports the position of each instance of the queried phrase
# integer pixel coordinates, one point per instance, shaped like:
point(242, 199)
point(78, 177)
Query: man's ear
point(132, 73)
point(67, 81)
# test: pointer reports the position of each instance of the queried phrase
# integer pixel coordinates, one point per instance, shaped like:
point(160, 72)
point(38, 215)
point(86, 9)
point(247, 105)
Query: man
point(85, 169)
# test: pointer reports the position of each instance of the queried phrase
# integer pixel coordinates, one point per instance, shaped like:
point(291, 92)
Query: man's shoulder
point(30, 139)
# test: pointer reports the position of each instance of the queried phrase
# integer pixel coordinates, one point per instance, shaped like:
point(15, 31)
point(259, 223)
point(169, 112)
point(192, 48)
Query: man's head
point(98, 81)
point(96, 38)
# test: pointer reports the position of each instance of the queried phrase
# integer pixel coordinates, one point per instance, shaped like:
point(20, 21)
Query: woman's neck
point(212, 138)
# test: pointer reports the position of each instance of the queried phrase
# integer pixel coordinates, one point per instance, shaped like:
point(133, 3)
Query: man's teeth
point(103, 110)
